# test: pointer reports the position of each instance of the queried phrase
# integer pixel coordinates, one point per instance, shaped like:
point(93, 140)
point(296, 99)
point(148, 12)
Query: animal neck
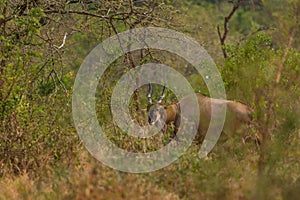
point(171, 113)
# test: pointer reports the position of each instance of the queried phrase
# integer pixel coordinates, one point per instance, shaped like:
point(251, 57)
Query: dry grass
point(90, 180)
point(221, 177)
point(228, 174)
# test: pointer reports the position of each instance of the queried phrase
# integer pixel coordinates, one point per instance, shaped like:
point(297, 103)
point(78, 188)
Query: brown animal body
point(238, 115)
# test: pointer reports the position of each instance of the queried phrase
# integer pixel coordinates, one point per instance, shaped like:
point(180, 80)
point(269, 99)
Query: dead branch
point(63, 42)
point(223, 36)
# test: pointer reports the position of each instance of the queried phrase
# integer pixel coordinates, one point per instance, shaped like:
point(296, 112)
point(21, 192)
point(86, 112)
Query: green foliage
point(250, 74)
point(38, 137)
point(34, 119)
point(249, 69)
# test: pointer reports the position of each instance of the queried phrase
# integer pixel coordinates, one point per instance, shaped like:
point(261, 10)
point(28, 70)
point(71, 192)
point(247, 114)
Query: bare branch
point(223, 36)
point(63, 43)
point(82, 12)
point(262, 28)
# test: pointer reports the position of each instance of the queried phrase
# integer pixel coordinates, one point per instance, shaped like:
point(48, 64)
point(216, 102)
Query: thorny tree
point(34, 38)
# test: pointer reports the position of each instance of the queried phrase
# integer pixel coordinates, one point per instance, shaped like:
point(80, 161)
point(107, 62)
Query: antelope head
point(156, 111)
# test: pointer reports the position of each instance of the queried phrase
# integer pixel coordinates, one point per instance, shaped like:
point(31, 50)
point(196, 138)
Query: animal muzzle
point(150, 121)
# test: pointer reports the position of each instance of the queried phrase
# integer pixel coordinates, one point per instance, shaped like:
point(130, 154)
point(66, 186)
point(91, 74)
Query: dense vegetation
point(42, 45)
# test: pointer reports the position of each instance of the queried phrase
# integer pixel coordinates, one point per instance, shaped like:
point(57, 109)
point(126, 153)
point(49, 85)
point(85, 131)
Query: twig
point(79, 12)
point(263, 28)
point(223, 36)
point(63, 43)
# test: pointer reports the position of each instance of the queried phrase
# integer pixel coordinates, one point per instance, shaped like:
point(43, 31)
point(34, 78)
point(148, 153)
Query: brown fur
point(238, 115)
point(171, 113)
